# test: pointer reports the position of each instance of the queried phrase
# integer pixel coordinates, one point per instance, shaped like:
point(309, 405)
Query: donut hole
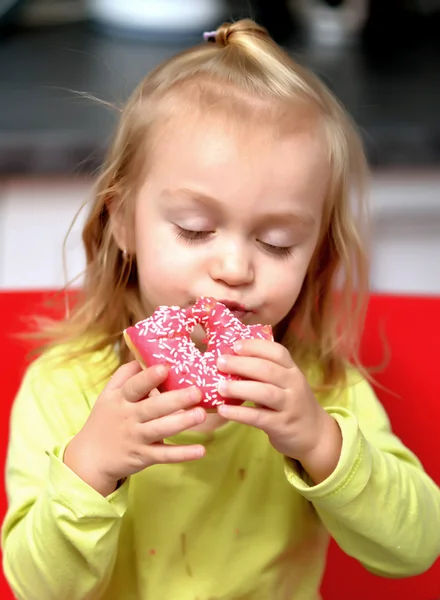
point(199, 338)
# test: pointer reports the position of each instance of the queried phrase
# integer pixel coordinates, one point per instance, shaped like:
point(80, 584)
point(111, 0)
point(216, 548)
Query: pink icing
point(165, 338)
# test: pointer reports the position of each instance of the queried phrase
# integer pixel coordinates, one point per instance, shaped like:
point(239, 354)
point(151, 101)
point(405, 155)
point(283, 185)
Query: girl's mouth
point(238, 310)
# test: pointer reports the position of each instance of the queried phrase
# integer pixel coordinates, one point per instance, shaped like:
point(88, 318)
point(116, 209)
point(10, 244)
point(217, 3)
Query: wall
point(35, 216)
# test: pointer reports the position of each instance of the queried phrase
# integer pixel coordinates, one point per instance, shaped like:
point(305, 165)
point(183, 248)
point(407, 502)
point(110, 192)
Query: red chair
point(411, 326)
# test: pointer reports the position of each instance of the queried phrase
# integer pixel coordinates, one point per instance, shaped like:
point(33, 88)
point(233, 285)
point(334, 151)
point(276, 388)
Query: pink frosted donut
point(165, 338)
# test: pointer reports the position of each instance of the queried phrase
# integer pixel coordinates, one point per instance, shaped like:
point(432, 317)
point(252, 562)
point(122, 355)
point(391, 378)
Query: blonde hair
point(324, 325)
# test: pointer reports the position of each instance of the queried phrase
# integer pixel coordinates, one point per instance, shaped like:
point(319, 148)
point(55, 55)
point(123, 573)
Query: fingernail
point(223, 410)
point(238, 346)
point(194, 393)
point(222, 387)
point(161, 370)
point(222, 361)
point(198, 415)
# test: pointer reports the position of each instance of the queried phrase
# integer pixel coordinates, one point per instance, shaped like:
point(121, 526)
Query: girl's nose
point(232, 266)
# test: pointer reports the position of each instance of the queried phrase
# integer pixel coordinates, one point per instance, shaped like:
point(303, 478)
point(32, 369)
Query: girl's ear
point(119, 225)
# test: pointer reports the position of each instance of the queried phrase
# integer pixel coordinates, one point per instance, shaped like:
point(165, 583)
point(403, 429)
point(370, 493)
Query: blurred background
point(381, 58)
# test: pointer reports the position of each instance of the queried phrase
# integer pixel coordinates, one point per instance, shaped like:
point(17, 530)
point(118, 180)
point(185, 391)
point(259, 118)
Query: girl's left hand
point(285, 406)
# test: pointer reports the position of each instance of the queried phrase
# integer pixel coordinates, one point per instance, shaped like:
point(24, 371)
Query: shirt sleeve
point(379, 505)
point(59, 536)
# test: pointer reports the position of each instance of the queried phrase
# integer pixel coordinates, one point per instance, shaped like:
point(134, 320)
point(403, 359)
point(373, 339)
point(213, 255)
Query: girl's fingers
point(123, 374)
point(262, 394)
point(260, 418)
point(165, 427)
point(140, 385)
point(266, 349)
point(161, 405)
point(168, 454)
point(258, 369)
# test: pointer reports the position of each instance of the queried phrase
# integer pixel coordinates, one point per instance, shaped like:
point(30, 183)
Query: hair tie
point(209, 36)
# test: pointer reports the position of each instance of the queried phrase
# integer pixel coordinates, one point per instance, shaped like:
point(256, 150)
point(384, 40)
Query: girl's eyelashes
point(278, 251)
point(190, 236)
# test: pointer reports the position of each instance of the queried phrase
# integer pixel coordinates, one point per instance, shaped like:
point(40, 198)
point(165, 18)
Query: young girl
point(229, 176)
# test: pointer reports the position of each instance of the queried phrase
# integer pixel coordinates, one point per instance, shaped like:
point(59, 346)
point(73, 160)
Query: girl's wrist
point(79, 462)
point(320, 462)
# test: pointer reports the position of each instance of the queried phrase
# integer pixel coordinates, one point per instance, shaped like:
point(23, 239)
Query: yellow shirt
point(240, 524)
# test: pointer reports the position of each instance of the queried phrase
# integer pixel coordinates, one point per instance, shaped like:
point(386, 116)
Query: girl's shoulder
point(58, 391)
point(342, 392)
point(78, 363)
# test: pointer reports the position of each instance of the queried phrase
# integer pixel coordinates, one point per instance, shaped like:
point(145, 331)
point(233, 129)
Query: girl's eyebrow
point(286, 217)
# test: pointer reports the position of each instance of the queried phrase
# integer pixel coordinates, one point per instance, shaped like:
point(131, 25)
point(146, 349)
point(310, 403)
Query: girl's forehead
point(232, 145)
point(209, 141)
point(244, 165)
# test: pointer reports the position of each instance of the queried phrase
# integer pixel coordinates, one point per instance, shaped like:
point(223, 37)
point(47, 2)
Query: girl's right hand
point(125, 430)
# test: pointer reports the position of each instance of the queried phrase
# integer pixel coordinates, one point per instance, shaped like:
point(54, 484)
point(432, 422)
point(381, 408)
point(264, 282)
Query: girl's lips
point(240, 314)
point(240, 311)
point(236, 308)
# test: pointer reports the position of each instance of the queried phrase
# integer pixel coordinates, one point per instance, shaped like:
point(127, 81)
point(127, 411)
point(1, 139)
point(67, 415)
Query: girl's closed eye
point(278, 242)
point(191, 235)
point(196, 235)
point(278, 251)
